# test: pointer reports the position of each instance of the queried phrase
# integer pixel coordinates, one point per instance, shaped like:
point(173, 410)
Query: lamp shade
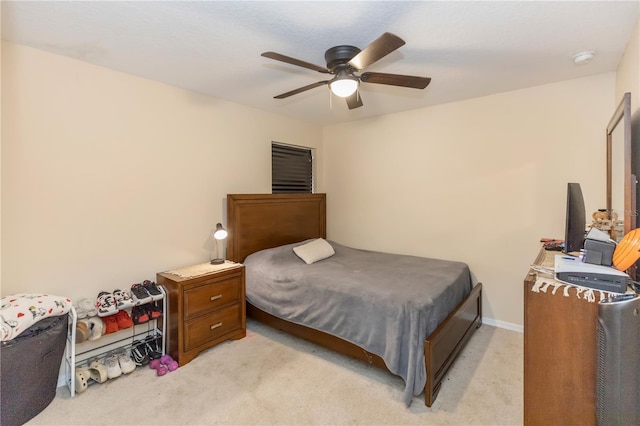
point(220, 233)
point(344, 85)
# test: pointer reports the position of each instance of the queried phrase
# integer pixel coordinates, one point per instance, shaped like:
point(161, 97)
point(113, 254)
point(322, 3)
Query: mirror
point(621, 182)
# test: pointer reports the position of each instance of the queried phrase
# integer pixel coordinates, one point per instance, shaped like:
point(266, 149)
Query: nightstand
point(206, 307)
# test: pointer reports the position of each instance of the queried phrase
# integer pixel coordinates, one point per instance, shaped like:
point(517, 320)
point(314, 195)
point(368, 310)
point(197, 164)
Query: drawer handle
point(216, 297)
point(214, 326)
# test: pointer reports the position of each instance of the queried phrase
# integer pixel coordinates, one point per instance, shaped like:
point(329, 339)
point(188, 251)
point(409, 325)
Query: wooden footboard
point(445, 343)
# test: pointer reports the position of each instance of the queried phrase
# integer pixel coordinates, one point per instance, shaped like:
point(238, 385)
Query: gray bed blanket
point(385, 303)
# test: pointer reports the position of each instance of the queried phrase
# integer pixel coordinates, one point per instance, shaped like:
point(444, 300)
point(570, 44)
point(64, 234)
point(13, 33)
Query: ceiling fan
point(344, 61)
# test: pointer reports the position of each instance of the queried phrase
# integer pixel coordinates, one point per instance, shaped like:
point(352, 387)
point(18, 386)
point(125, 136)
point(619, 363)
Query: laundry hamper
point(29, 368)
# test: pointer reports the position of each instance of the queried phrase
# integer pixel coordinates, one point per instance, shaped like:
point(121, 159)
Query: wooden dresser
point(559, 351)
point(206, 307)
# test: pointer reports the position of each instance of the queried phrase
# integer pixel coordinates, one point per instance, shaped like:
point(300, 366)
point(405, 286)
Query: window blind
point(291, 169)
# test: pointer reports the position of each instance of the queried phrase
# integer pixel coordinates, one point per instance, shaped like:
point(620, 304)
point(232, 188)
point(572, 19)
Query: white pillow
point(314, 251)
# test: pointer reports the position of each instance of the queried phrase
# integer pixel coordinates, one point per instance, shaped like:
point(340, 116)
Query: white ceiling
point(468, 48)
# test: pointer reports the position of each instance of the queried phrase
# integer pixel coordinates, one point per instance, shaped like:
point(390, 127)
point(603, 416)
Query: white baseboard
point(62, 381)
point(503, 324)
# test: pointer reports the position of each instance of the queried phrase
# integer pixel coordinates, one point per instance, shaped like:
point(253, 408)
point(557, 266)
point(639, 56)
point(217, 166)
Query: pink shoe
point(169, 362)
point(160, 368)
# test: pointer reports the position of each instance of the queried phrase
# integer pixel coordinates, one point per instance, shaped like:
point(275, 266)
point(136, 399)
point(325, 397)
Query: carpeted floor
point(270, 378)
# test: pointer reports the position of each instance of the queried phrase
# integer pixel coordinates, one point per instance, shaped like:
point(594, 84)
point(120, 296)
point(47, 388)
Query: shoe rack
point(77, 354)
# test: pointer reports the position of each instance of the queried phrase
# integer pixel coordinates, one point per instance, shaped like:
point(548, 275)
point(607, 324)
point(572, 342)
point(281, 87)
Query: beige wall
point(628, 72)
point(108, 178)
point(627, 80)
point(480, 181)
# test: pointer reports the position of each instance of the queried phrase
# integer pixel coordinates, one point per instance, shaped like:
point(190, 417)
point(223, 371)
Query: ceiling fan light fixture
point(344, 85)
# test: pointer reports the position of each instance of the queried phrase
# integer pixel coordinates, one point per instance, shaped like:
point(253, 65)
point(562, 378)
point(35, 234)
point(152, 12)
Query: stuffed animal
point(600, 216)
point(601, 220)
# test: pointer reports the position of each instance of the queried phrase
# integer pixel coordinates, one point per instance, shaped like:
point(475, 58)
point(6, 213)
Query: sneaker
point(153, 289)
point(153, 349)
point(153, 311)
point(123, 320)
point(110, 324)
point(140, 315)
point(139, 353)
point(126, 363)
point(123, 300)
point(106, 304)
point(113, 367)
point(140, 294)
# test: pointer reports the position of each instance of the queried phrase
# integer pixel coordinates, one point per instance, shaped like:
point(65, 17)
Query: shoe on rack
point(88, 307)
point(96, 327)
point(153, 311)
point(153, 348)
point(113, 367)
point(123, 320)
point(153, 290)
point(123, 299)
point(110, 324)
point(98, 371)
point(80, 313)
point(106, 304)
point(82, 331)
point(139, 315)
point(139, 353)
point(82, 379)
point(140, 294)
point(126, 363)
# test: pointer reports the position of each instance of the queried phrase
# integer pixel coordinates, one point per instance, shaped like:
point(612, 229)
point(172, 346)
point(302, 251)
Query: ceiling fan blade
point(354, 101)
point(294, 61)
point(377, 50)
point(301, 89)
point(396, 80)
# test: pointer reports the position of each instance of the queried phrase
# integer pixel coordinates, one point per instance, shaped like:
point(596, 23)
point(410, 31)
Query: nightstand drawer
point(208, 297)
point(211, 326)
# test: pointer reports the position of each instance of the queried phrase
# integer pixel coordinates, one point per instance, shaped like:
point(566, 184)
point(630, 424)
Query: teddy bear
point(601, 220)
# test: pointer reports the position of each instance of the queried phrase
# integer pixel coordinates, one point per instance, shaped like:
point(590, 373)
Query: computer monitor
point(576, 221)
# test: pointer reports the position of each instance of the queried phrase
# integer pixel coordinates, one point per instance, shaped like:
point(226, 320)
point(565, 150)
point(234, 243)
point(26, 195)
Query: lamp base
point(217, 261)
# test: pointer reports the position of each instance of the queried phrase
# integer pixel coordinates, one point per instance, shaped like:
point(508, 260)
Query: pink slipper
point(169, 362)
point(160, 368)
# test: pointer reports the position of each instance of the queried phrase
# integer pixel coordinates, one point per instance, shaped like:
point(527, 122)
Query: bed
point(264, 226)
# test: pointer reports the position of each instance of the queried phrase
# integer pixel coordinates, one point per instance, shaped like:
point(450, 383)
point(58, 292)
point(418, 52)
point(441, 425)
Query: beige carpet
point(272, 378)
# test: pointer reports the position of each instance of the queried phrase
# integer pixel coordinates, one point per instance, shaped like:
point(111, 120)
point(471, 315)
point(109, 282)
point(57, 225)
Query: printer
point(573, 270)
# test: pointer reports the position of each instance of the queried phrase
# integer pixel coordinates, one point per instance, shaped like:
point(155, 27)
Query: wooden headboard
point(260, 221)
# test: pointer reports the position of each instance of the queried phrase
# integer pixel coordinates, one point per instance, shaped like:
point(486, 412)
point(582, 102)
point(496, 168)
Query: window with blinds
point(291, 169)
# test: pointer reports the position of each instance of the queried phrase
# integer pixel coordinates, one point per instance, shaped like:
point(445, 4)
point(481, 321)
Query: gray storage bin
point(29, 367)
